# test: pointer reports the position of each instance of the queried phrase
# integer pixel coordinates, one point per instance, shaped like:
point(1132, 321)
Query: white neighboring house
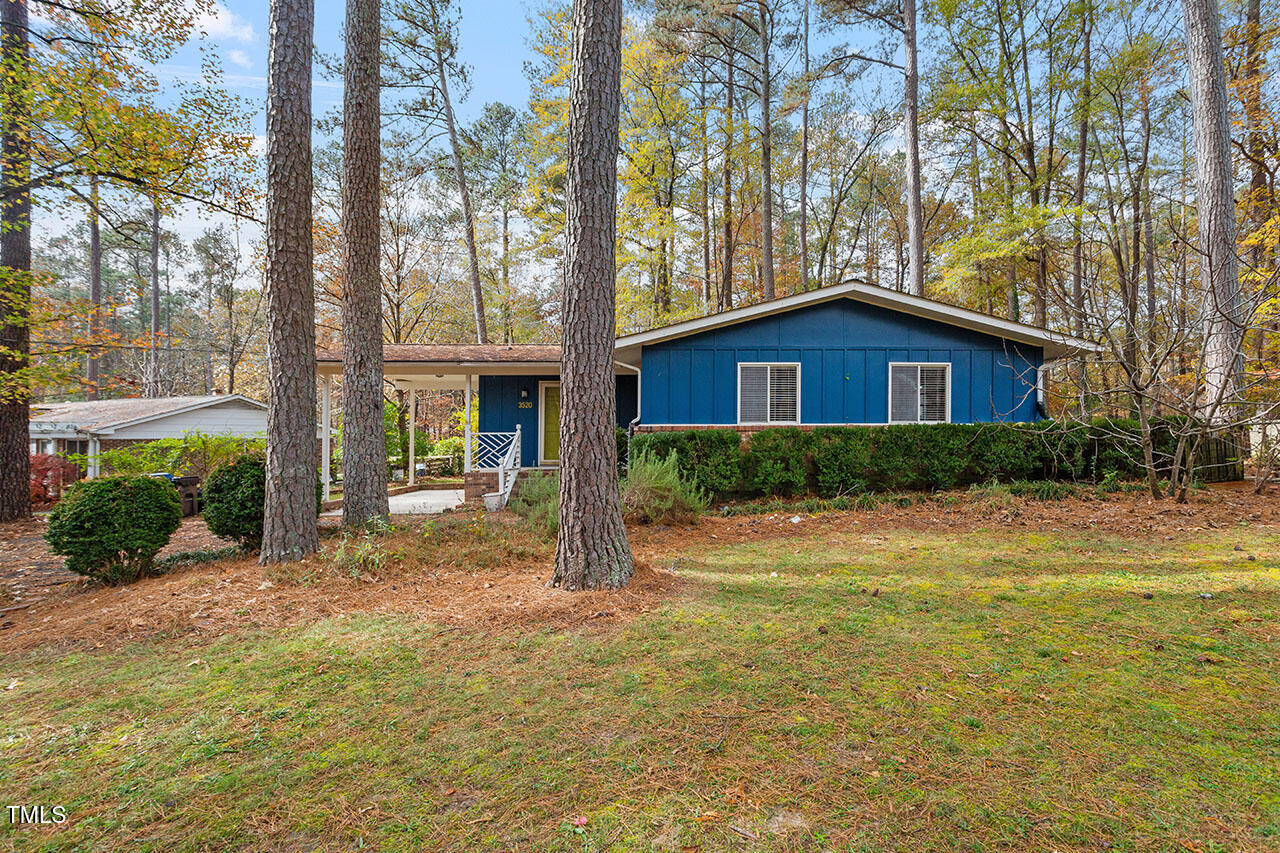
point(90, 427)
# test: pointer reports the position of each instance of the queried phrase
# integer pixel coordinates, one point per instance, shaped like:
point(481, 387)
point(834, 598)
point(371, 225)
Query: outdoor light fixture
point(524, 393)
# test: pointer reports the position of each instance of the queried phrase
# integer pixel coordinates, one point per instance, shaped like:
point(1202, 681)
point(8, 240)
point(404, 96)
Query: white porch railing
point(508, 466)
point(489, 449)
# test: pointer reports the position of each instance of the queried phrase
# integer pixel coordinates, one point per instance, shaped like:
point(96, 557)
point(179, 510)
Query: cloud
point(222, 23)
point(236, 56)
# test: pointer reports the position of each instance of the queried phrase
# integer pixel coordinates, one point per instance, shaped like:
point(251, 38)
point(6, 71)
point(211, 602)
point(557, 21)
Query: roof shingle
point(101, 414)
point(475, 353)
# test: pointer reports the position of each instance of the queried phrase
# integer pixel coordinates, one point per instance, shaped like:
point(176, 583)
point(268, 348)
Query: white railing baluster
point(499, 451)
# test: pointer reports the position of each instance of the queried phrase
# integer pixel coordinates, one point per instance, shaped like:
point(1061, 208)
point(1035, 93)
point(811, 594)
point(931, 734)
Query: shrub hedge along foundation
point(839, 460)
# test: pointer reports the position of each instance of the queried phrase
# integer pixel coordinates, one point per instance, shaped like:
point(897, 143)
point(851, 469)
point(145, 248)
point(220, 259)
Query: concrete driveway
point(425, 502)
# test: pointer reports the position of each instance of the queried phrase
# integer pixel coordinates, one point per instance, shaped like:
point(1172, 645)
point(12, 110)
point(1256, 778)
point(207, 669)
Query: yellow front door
point(550, 423)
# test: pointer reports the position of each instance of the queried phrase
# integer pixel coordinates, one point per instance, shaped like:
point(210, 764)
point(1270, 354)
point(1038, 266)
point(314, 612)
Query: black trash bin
point(189, 491)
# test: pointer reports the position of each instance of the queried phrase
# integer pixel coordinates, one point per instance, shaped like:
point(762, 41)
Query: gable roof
point(1055, 344)
point(458, 353)
point(110, 415)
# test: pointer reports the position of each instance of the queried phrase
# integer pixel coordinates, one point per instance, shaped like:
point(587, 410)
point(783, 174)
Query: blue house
point(847, 354)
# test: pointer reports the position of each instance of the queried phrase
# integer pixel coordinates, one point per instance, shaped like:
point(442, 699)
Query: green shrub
point(359, 554)
point(711, 458)
point(451, 447)
point(836, 460)
point(234, 497)
point(112, 528)
point(842, 460)
point(537, 500)
point(195, 454)
point(655, 492)
point(776, 462)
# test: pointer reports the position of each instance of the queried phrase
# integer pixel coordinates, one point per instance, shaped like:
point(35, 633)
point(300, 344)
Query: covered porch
point(510, 402)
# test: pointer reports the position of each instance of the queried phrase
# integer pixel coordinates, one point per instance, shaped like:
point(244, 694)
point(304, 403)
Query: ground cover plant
point(991, 671)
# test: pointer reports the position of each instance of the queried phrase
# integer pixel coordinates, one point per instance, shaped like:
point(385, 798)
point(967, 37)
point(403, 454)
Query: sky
point(492, 39)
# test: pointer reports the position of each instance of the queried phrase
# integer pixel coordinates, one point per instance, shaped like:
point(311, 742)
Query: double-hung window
point(769, 393)
point(919, 393)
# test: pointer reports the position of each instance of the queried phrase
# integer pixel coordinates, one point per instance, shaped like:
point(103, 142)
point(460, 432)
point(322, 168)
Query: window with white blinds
point(768, 393)
point(919, 393)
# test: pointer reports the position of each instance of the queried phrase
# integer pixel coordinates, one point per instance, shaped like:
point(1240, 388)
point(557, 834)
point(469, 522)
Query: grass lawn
point(837, 686)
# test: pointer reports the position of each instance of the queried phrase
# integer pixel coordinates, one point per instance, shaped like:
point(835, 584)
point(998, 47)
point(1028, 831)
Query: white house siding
point(233, 417)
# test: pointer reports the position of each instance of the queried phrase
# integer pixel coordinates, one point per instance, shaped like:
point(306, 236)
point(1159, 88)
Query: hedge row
point(839, 460)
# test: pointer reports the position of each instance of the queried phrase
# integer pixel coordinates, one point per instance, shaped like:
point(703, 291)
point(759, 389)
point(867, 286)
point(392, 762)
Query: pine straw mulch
point(469, 570)
point(466, 571)
point(29, 570)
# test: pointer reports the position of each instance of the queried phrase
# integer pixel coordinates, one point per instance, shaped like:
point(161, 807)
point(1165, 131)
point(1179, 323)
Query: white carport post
point(326, 415)
point(94, 462)
point(466, 429)
point(413, 430)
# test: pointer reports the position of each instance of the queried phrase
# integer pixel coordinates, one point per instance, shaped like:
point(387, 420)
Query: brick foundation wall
point(477, 484)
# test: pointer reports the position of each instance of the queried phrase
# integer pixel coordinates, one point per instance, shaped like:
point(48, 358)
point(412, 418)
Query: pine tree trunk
point(15, 261)
point(804, 161)
point(92, 372)
point(468, 218)
point(705, 211)
point(766, 155)
point(289, 526)
point(1077, 249)
point(1082, 152)
point(915, 204)
point(1215, 208)
point(726, 268)
point(153, 354)
point(364, 440)
point(591, 546)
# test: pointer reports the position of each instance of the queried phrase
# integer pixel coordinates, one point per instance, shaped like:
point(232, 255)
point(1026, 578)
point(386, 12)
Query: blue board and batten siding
point(844, 349)
point(500, 410)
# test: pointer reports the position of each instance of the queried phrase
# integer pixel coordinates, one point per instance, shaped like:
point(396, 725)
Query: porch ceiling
point(445, 366)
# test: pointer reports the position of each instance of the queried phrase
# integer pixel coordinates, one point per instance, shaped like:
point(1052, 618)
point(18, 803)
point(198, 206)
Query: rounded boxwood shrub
point(234, 497)
point(112, 528)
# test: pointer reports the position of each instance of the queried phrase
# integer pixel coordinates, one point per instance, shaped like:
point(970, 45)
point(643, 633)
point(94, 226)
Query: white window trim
point(889, 396)
point(738, 392)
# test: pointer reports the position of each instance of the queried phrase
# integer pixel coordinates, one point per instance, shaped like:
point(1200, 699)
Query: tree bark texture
point(460, 174)
point(766, 152)
point(289, 528)
point(153, 340)
point(591, 547)
point(804, 160)
point(92, 367)
point(911, 117)
point(726, 267)
point(364, 441)
point(1215, 207)
point(15, 261)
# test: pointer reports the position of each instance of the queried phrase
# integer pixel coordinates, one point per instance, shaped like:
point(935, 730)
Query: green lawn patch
point(834, 690)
